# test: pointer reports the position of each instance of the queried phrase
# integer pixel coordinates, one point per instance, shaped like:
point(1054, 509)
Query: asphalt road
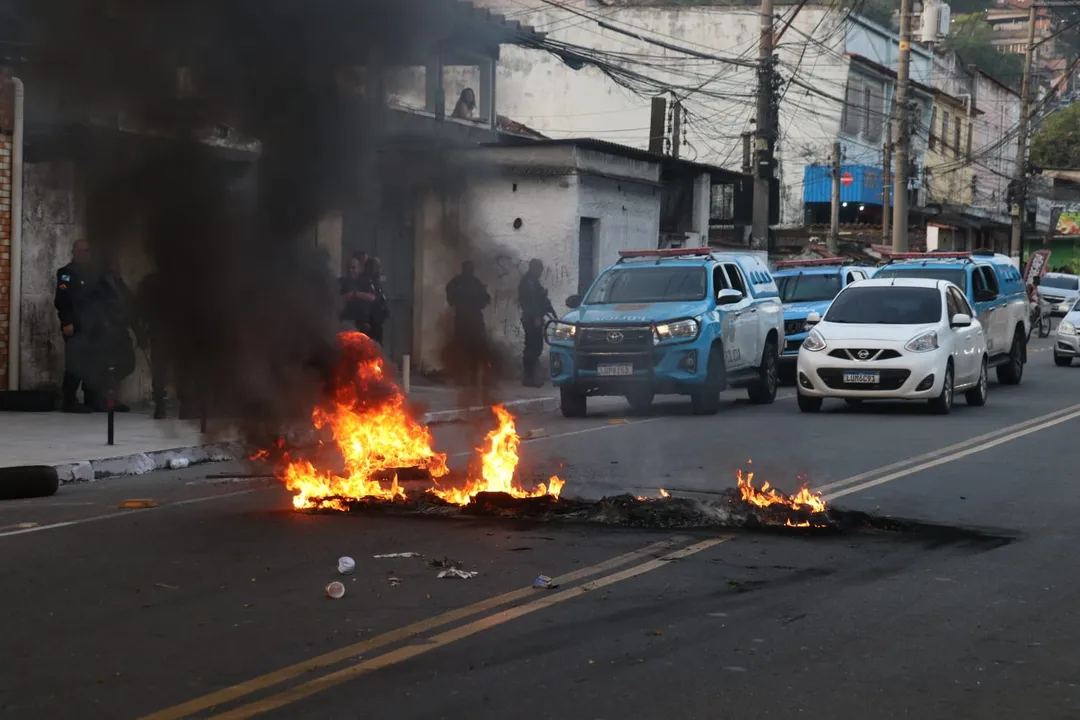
point(211, 604)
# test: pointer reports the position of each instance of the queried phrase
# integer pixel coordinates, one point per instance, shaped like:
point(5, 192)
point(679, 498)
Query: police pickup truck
point(682, 321)
point(809, 286)
point(995, 289)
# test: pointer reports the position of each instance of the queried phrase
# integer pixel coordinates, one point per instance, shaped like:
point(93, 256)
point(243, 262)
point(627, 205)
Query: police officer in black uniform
point(535, 305)
point(74, 282)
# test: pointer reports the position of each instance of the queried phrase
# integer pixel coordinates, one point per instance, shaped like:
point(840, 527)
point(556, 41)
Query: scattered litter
point(178, 463)
point(335, 591)
point(616, 422)
point(534, 434)
point(456, 573)
point(394, 581)
point(543, 582)
point(136, 504)
point(656, 633)
point(166, 587)
point(27, 525)
point(346, 565)
point(444, 563)
point(387, 556)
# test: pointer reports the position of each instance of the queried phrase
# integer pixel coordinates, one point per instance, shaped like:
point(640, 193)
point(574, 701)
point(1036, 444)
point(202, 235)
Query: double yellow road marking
point(910, 466)
point(354, 652)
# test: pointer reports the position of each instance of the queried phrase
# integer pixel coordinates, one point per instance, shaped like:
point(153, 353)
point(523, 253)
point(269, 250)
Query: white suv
point(894, 339)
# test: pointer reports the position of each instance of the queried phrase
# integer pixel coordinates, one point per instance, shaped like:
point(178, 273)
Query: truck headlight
point(678, 330)
point(922, 343)
point(814, 342)
point(564, 332)
point(1066, 328)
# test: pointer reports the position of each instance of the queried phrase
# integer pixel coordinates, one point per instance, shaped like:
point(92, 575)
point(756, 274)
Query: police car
point(809, 286)
point(681, 321)
point(993, 286)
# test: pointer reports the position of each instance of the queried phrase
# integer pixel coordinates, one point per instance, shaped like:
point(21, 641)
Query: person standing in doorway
point(468, 297)
point(74, 284)
point(355, 301)
point(535, 305)
point(378, 309)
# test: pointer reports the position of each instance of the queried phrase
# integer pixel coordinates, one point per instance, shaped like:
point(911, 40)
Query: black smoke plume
point(241, 290)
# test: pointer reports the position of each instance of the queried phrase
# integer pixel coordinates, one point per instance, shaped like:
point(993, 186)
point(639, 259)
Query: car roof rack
point(666, 253)
point(814, 262)
point(931, 256)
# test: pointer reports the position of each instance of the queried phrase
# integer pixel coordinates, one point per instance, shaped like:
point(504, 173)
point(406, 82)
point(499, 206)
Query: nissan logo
point(615, 337)
point(863, 354)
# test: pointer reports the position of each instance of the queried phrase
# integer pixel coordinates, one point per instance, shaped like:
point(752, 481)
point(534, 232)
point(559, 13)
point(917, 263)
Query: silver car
point(1059, 291)
point(1067, 341)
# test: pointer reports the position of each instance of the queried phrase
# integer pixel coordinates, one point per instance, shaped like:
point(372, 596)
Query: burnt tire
point(1062, 360)
point(573, 402)
point(809, 404)
point(28, 481)
point(977, 395)
point(706, 401)
point(943, 403)
point(763, 390)
point(1013, 371)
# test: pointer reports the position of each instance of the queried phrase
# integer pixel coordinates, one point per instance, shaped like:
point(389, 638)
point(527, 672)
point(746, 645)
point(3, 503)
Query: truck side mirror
point(573, 301)
point(728, 296)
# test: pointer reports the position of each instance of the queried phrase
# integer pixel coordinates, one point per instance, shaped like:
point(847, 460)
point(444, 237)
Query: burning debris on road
point(375, 441)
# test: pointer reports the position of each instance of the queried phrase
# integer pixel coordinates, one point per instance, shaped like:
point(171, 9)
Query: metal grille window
point(956, 135)
point(853, 110)
point(932, 143)
point(873, 114)
point(945, 130)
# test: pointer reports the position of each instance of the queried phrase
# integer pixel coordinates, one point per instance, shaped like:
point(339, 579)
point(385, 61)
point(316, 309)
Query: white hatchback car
point(894, 339)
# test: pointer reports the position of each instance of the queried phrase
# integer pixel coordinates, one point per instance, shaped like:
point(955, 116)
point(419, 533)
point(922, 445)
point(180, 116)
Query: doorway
point(588, 257)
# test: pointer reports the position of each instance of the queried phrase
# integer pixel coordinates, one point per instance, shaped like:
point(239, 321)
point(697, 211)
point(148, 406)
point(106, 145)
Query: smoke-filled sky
point(241, 287)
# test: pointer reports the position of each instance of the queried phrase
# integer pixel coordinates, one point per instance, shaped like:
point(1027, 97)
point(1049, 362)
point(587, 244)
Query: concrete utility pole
point(886, 180)
point(1019, 207)
point(834, 216)
point(763, 150)
point(901, 116)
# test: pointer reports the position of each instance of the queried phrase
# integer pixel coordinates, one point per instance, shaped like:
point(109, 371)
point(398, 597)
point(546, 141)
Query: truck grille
point(891, 379)
point(614, 339)
point(794, 327)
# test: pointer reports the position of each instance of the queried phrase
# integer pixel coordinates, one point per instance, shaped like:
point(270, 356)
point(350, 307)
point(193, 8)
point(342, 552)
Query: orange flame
point(498, 462)
point(766, 496)
point(374, 438)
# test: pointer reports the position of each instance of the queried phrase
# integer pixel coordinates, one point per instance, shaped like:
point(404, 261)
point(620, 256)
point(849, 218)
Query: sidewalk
point(76, 445)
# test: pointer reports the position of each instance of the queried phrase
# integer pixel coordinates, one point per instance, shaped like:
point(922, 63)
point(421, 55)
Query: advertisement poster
point(1038, 265)
point(1068, 224)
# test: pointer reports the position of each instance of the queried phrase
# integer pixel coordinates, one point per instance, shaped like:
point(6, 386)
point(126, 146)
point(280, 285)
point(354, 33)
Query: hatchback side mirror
point(960, 320)
point(728, 296)
point(573, 301)
point(813, 318)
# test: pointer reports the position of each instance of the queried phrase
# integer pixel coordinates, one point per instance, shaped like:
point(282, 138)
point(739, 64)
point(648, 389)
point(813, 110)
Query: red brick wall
point(6, 123)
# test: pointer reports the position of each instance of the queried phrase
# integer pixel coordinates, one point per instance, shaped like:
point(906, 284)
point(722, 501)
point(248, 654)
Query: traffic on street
point(209, 601)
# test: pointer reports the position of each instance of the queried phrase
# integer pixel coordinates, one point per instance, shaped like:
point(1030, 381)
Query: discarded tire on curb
point(28, 481)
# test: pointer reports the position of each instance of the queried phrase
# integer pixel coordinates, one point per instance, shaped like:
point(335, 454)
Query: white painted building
point(815, 54)
point(572, 204)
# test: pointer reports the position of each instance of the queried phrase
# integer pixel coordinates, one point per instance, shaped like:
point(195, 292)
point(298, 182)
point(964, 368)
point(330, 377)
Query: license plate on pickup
point(615, 370)
point(862, 378)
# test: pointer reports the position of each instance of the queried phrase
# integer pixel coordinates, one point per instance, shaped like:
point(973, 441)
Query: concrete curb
point(175, 458)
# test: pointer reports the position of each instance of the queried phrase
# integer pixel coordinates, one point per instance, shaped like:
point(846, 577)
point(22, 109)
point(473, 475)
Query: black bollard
point(110, 404)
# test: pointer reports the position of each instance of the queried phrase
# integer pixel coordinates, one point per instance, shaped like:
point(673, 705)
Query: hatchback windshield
point(1063, 282)
point(956, 276)
point(651, 284)
point(808, 288)
point(886, 306)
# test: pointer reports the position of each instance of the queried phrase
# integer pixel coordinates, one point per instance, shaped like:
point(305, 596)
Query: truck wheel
point(1011, 372)
point(808, 404)
point(574, 402)
point(763, 390)
point(640, 400)
point(706, 401)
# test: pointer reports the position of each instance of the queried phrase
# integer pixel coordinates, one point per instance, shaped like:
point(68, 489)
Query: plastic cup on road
point(346, 565)
point(335, 591)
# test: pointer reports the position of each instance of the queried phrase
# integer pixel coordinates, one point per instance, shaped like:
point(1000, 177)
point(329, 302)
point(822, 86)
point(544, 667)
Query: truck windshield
point(956, 276)
point(1063, 282)
point(808, 288)
point(886, 306)
point(649, 284)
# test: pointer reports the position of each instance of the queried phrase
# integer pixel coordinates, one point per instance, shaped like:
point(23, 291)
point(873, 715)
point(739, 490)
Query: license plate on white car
point(615, 370)
point(862, 378)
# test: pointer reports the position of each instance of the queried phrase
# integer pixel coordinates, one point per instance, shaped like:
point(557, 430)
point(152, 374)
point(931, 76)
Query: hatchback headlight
point(1066, 328)
point(678, 330)
point(564, 331)
point(922, 343)
point(814, 342)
